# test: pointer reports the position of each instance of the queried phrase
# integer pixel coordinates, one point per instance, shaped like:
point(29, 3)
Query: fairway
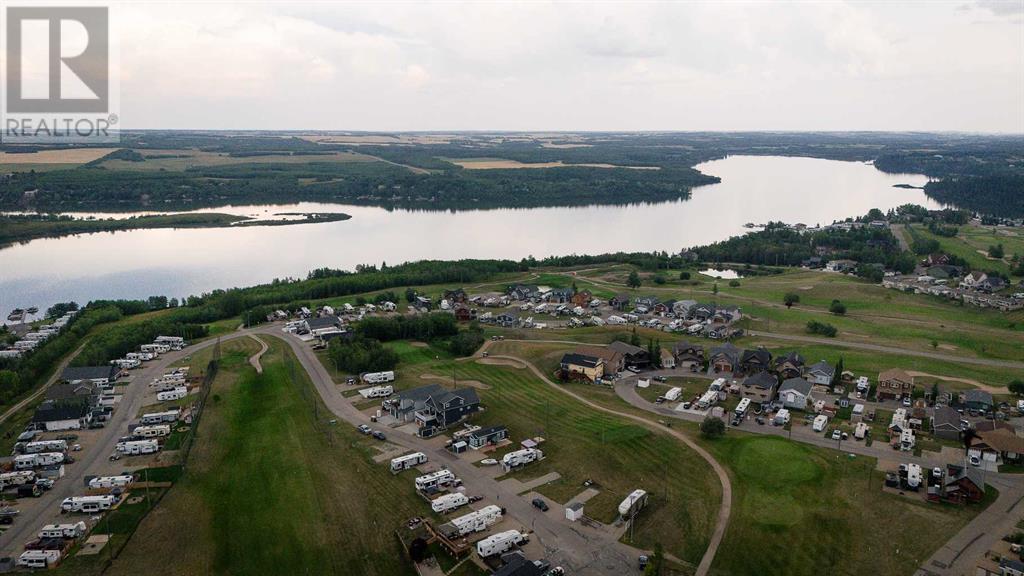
point(806, 510)
point(268, 490)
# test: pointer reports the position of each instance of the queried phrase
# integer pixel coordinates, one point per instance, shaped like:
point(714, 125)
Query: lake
point(177, 263)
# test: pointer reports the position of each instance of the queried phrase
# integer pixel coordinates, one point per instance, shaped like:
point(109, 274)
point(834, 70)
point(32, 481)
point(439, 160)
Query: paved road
point(891, 350)
point(42, 389)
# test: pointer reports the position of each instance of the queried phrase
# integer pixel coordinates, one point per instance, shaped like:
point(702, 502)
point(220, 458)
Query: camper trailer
point(101, 482)
point(820, 421)
point(378, 377)
point(39, 558)
point(160, 417)
point(707, 400)
point(407, 461)
point(913, 476)
point(673, 394)
point(138, 447)
point(18, 478)
point(174, 394)
point(126, 363)
point(449, 502)
point(88, 504)
point(500, 543)
point(742, 407)
point(45, 446)
point(155, 431)
point(477, 521)
point(907, 440)
point(616, 320)
point(68, 531)
point(633, 503)
point(781, 417)
point(860, 431)
point(175, 342)
point(156, 349)
point(435, 479)
point(521, 457)
point(377, 392)
point(29, 461)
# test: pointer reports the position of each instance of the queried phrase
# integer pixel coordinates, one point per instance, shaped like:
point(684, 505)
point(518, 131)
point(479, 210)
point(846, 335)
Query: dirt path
point(470, 383)
point(255, 358)
point(724, 511)
point(975, 383)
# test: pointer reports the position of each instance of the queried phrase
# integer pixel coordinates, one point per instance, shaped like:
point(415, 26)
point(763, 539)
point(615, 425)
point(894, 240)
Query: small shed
point(574, 511)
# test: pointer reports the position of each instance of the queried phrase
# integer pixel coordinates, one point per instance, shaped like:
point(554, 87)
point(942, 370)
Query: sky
point(391, 66)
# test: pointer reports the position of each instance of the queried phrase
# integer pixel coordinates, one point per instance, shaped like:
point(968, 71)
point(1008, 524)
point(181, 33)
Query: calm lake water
point(176, 263)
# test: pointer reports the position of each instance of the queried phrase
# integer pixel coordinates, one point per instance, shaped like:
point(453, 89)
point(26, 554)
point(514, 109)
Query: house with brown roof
point(582, 298)
point(614, 361)
point(790, 366)
point(1000, 442)
point(894, 383)
point(688, 355)
point(724, 358)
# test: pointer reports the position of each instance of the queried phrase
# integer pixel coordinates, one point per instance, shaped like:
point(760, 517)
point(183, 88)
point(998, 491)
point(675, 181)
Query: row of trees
point(361, 355)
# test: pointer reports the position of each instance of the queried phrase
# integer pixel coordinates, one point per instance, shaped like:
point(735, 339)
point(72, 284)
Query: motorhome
point(907, 440)
point(673, 394)
point(633, 503)
point(138, 447)
point(820, 421)
point(433, 480)
point(407, 461)
point(88, 504)
point(101, 482)
point(159, 417)
point(500, 543)
point(68, 531)
point(174, 394)
point(477, 521)
point(860, 431)
point(16, 478)
point(521, 457)
point(742, 407)
point(449, 502)
point(781, 417)
point(718, 385)
point(45, 446)
point(175, 342)
point(378, 377)
point(913, 476)
point(39, 558)
point(155, 348)
point(616, 320)
point(126, 363)
point(707, 400)
point(154, 431)
point(377, 392)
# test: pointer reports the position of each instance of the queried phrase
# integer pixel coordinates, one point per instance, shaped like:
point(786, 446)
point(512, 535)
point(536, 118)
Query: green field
point(268, 487)
point(972, 241)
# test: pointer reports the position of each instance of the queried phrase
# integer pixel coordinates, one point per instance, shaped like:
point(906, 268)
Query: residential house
point(517, 565)
point(727, 314)
point(463, 313)
point(523, 292)
point(719, 331)
point(80, 391)
point(94, 374)
point(614, 361)
point(633, 355)
point(795, 393)
point(756, 360)
point(724, 358)
point(964, 484)
point(560, 296)
point(894, 384)
point(668, 360)
point(55, 416)
point(682, 308)
point(975, 399)
point(506, 319)
point(947, 423)
point(456, 296)
point(620, 302)
point(323, 326)
point(432, 407)
point(759, 387)
point(844, 266)
point(999, 445)
point(814, 263)
point(702, 312)
point(790, 366)
point(821, 373)
point(973, 280)
point(688, 355)
point(487, 437)
point(648, 302)
point(582, 366)
point(582, 298)
point(991, 284)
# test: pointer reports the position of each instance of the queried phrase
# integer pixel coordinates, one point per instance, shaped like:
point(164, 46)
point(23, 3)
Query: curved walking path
point(255, 358)
point(724, 511)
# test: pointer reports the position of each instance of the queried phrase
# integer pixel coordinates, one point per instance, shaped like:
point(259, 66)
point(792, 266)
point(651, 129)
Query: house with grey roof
point(820, 373)
point(947, 423)
point(433, 407)
point(975, 399)
point(94, 374)
point(795, 393)
point(759, 387)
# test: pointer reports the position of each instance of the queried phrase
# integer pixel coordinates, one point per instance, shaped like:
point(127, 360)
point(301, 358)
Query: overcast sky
point(955, 65)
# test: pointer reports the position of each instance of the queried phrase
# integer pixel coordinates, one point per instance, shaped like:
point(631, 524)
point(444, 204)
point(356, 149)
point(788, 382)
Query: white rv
point(16, 478)
point(860, 431)
point(907, 440)
point(63, 530)
point(46, 446)
point(500, 543)
point(379, 377)
point(477, 521)
point(820, 421)
point(521, 457)
point(39, 558)
point(101, 482)
point(154, 431)
point(377, 392)
point(159, 417)
point(673, 394)
point(742, 407)
point(407, 461)
point(633, 503)
point(449, 502)
point(616, 320)
point(138, 447)
point(707, 400)
point(175, 394)
point(913, 476)
point(28, 461)
point(87, 504)
point(126, 363)
point(434, 479)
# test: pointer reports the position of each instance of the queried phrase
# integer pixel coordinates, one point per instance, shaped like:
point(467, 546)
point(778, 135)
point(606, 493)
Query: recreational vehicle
point(379, 377)
point(28, 461)
point(449, 502)
point(100, 482)
point(673, 394)
point(45, 446)
point(39, 558)
point(377, 392)
point(17, 478)
point(63, 530)
point(407, 461)
point(174, 394)
point(907, 440)
point(477, 521)
point(434, 479)
point(742, 407)
point(160, 417)
point(500, 543)
point(88, 504)
point(820, 421)
point(154, 431)
point(138, 447)
point(521, 457)
point(633, 503)
point(860, 431)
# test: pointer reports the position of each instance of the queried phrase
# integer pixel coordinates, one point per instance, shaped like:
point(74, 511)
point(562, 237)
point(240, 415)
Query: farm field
point(179, 160)
point(267, 486)
point(50, 159)
point(501, 164)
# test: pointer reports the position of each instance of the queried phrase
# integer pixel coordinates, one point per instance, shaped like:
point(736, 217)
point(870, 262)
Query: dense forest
point(412, 174)
point(997, 195)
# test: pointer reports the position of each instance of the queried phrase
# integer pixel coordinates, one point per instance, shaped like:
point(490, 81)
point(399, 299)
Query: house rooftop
point(764, 380)
point(895, 374)
point(798, 384)
point(581, 360)
point(75, 373)
point(626, 348)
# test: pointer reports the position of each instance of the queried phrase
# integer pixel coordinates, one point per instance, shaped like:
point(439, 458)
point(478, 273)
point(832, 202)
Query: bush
point(684, 275)
point(790, 298)
point(712, 427)
point(821, 328)
point(837, 308)
point(467, 342)
point(659, 279)
point(734, 283)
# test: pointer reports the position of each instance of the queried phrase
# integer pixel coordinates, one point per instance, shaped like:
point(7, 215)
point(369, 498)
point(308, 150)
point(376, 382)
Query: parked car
point(364, 429)
point(759, 420)
point(44, 483)
point(975, 461)
point(661, 379)
point(379, 435)
point(540, 504)
point(837, 435)
point(906, 401)
point(736, 420)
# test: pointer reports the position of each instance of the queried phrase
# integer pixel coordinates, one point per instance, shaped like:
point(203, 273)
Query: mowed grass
point(268, 490)
point(804, 510)
point(971, 243)
point(620, 456)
